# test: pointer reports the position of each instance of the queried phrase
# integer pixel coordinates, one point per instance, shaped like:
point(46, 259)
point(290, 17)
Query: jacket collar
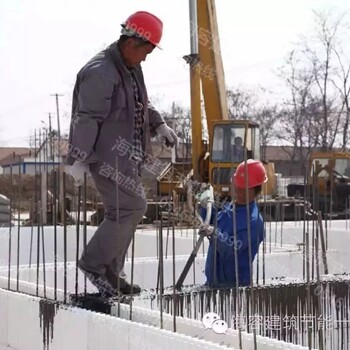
point(117, 58)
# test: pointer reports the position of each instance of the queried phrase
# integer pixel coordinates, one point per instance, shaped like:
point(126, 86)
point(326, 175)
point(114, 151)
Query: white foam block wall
point(146, 243)
point(286, 235)
point(196, 329)
point(277, 265)
point(78, 329)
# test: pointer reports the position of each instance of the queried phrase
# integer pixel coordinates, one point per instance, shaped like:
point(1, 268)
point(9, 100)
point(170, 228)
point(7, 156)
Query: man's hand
point(206, 230)
point(77, 170)
point(169, 135)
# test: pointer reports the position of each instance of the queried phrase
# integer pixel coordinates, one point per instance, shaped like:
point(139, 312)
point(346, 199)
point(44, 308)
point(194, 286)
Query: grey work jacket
point(103, 113)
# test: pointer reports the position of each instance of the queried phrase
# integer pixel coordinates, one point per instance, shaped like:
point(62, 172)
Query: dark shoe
point(124, 286)
point(127, 289)
point(101, 282)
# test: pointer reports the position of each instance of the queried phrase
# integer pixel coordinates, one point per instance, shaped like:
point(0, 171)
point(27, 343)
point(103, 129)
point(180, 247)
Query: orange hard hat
point(255, 171)
point(145, 25)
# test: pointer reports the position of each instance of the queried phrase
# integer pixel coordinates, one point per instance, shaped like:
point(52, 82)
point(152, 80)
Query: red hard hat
point(255, 171)
point(146, 25)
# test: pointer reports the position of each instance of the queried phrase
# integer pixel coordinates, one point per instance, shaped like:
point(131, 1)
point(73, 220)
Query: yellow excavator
point(328, 183)
point(230, 141)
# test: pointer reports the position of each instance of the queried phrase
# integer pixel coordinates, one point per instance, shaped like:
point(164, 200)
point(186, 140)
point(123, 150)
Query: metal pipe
point(193, 26)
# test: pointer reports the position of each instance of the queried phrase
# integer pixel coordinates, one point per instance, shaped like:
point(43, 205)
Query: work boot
point(101, 282)
point(128, 289)
point(124, 287)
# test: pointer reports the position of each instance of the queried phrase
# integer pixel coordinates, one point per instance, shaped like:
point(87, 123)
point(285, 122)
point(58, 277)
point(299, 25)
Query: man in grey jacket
point(112, 122)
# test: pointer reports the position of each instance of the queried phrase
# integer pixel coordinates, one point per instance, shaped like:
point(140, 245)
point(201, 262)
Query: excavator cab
point(230, 143)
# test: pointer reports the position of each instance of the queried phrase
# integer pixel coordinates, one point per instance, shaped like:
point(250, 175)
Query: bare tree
point(267, 117)
point(245, 104)
point(297, 127)
point(320, 52)
point(343, 87)
point(240, 103)
point(314, 111)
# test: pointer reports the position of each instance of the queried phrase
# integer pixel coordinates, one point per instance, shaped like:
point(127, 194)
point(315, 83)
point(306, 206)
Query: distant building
point(51, 153)
point(30, 161)
point(281, 157)
point(11, 156)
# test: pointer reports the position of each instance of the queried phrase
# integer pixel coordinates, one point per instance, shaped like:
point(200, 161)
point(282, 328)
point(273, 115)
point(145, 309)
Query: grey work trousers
point(124, 209)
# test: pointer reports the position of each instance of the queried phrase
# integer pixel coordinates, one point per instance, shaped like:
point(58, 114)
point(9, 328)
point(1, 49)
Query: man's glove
point(169, 135)
point(206, 230)
point(77, 170)
point(206, 196)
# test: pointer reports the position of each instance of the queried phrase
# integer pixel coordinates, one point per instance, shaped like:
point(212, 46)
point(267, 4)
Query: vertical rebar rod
point(118, 227)
point(249, 236)
point(31, 233)
point(37, 215)
point(168, 213)
point(308, 286)
point(215, 274)
point(323, 245)
point(194, 231)
point(235, 255)
point(264, 241)
point(41, 226)
point(319, 329)
point(19, 218)
point(35, 206)
point(85, 223)
point(54, 221)
point(10, 229)
point(63, 216)
point(78, 241)
point(161, 271)
point(174, 268)
point(132, 273)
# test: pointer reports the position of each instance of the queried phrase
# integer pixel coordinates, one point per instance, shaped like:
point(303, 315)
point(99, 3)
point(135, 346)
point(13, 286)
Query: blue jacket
point(225, 261)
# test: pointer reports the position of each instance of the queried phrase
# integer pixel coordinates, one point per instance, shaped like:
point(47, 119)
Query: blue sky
point(43, 44)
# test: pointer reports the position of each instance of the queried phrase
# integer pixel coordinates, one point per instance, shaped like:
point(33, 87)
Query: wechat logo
point(211, 320)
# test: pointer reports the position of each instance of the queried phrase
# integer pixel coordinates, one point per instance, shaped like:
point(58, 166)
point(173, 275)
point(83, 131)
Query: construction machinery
point(228, 142)
point(328, 184)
